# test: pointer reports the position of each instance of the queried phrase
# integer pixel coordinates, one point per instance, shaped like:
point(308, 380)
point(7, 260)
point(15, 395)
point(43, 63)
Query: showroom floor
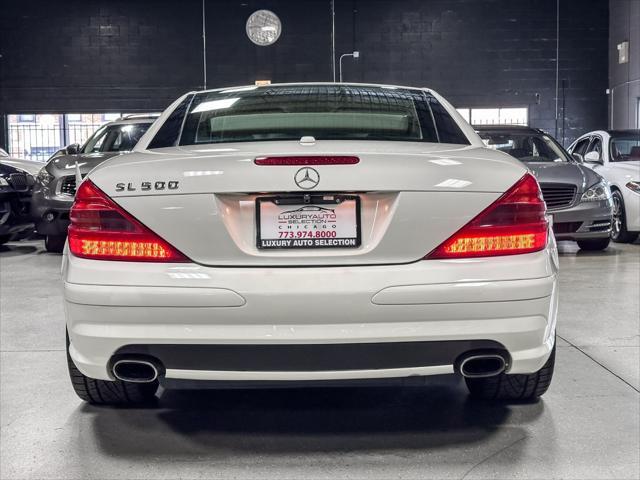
point(586, 426)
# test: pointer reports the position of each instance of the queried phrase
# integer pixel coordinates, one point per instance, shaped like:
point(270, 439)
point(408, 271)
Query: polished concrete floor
point(586, 426)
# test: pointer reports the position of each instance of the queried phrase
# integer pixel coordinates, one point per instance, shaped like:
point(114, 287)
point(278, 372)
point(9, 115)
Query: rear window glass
point(115, 138)
point(325, 112)
point(526, 147)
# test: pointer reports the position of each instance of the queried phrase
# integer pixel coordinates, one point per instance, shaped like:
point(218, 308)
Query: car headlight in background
point(598, 192)
point(3, 182)
point(44, 177)
point(634, 186)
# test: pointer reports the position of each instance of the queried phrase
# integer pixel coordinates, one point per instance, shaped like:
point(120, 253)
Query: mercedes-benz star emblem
point(307, 178)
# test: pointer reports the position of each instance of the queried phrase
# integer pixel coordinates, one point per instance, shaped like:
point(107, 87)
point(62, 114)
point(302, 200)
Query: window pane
point(499, 116)
point(36, 136)
point(514, 116)
point(80, 126)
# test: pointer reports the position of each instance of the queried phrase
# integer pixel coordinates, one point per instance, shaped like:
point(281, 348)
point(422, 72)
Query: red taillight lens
point(102, 230)
point(515, 223)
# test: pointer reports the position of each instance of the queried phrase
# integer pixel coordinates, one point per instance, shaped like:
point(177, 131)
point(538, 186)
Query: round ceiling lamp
point(264, 27)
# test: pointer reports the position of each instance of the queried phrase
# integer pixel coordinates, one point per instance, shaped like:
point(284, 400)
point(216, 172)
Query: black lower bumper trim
point(308, 357)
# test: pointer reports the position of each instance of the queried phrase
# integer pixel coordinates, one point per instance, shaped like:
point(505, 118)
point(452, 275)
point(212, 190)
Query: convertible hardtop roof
point(306, 84)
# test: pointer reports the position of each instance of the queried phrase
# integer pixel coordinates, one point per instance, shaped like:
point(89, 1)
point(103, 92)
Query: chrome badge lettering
point(147, 186)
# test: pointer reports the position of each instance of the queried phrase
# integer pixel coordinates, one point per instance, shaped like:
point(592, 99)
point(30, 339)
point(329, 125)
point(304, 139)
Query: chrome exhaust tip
point(135, 370)
point(482, 365)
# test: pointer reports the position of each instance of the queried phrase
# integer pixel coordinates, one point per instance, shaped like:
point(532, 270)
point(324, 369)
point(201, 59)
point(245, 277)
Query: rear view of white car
point(615, 155)
point(305, 233)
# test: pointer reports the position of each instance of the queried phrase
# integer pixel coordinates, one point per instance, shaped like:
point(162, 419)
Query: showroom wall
point(624, 78)
point(137, 55)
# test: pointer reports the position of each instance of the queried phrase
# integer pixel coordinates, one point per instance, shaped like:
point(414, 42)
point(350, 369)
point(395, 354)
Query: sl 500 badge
point(146, 186)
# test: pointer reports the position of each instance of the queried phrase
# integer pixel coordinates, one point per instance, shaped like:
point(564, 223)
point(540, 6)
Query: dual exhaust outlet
point(481, 364)
point(471, 365)
point(136, 370)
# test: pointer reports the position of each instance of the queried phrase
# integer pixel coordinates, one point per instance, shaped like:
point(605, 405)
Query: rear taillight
point(102, 230)
point(513, 224)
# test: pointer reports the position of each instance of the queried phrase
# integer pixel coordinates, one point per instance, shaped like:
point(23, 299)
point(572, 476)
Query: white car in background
point(615, 154)
point(309, 233)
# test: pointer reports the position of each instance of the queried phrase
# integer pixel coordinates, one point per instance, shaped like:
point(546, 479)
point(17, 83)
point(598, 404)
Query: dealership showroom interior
point(286, 239)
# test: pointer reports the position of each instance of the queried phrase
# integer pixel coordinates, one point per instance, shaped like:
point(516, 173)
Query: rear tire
point(594, 244)
point(619, 232)
point(514, 387)
point(105, 392)
point(54, 243)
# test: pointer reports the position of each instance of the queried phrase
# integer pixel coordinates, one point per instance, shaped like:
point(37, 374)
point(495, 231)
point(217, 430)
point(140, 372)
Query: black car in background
point(15, 197)
point(577, 197)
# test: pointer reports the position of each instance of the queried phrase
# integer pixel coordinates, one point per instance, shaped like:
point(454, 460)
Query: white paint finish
point(465, 292)
point(220, 230)
point(185, 297)
point(271, 280)
point(385, 166)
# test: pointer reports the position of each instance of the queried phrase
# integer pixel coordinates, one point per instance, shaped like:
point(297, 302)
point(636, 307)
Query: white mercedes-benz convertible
point(309, 234)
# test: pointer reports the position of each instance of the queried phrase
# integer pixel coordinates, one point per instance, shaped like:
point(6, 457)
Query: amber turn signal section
point(100, 229)
point(493, 244)
point(515, 223)
point(114, 248)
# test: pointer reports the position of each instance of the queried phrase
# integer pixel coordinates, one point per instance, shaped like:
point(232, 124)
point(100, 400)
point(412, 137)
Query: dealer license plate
point(308, 221)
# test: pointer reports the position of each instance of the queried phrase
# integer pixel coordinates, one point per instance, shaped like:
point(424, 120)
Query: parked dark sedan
point(55, 186)
point(578, 198)
point(15, 195)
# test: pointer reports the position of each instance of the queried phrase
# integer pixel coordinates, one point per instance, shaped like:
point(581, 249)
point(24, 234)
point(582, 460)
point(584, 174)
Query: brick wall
point(624, 78)
point(100, 55)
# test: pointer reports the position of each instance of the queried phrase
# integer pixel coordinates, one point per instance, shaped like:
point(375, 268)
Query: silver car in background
point(55, 186)
point(578, 198)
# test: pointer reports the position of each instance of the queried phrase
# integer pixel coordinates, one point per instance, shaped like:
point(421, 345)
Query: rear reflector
point(101, 230)
point(307, 160)
point(513, 224)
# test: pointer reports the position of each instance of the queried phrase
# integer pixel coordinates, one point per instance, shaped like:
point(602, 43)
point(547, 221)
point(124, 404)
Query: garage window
point(38, 136)
point(496, 116)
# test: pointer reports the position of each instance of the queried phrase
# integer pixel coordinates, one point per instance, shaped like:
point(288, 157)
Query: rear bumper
point(510, 302)
point(583, 221)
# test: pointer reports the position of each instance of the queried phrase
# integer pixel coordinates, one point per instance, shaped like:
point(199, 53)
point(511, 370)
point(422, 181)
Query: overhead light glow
point(453, 183)
point(239, 89)
point(202, 173)
point(445, 161)
point(215, 105)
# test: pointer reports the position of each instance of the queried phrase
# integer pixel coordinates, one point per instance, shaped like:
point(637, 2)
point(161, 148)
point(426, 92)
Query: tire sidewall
point(619, 237)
